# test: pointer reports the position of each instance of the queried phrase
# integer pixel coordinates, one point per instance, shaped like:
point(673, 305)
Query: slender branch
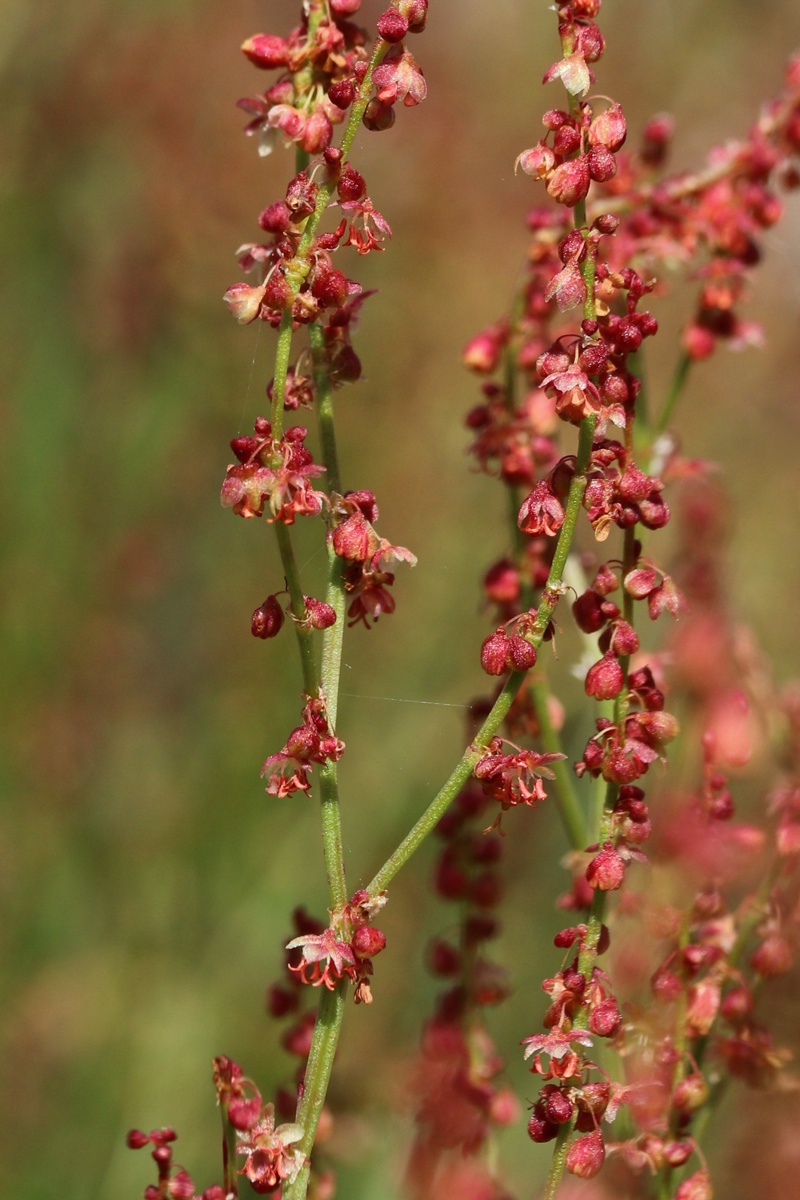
point(304, 635)
point(550, 597)
point(448, 792)
point(674, 394)
point(564, 793)
point(317, 1077)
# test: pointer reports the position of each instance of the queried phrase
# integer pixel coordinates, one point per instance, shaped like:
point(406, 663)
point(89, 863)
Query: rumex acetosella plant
point(676, 912)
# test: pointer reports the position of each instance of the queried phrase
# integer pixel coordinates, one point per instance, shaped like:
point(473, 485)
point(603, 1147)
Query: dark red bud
point(368, 941)
point(602, 164)
point(275, 218)
point(320, 614)
point(540, 1129)
point(558, 1107)
point(586, 1155)
point(569, 183)
point(605, 679)
point(606, 871)
point(392, 25)
point(267, 51)
point(267, 619)
point(605, 1018)
point(342, 92)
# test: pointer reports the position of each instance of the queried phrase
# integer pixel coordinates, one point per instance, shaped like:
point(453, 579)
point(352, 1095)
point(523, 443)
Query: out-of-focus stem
point(674, 394)
point(566, 798)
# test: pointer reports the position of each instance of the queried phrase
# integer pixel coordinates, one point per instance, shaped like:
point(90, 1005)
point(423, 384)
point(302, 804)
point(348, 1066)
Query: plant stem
point(448, 792)
point(566, 797)
point(674, 394)
point(317, 1077)
point(282, 356)
point(550, 597)
point(323, 393)
point(559, 1162)
point(304, 636)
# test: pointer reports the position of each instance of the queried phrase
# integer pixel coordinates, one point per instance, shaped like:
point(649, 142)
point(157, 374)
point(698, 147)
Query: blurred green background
point(146, 879)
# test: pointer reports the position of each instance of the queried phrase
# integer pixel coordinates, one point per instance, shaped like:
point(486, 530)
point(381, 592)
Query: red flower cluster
point(273, 472)
point(354, 539)
point(344, 950)
point(174, 1183)
point(311, 742)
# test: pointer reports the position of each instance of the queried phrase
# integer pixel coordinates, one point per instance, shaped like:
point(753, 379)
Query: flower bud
point(677, 1153)
point(539, 1128)
point(586, 1155)
point(482, 353)
point(609, 129)
point(275, 218)
point(392, 25)
point(606, 871)
point(605, 679)
point(267, 51)
point(539, 161)
point(244, 301)
point(696, 1187)
point(605, 1018)
point(773, 957)
point(602, 164)
point(569, 183)
point(267, 619)
point(320, 614)
point(558, 1107)
point(690, 1093)
point(368, 941)
point(656, 137)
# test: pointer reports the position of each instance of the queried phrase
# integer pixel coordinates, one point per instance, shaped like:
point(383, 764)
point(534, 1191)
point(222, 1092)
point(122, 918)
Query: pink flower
point(271, 1161)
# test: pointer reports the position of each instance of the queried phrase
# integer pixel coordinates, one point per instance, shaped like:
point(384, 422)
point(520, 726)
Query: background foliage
point(147, 882)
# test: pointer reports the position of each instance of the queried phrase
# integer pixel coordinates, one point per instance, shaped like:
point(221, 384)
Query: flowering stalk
point(570, 355)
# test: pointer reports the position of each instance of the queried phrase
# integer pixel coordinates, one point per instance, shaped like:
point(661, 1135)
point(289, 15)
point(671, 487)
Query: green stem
point(550, 597)
point(333, 636)
point(674, 394)
point(559, 1162)
point(229, 1145)
point(448, 792)
point(282, 356)
point(323, 393)
point(304, 635)
point(317, 1077)
point(566, 797)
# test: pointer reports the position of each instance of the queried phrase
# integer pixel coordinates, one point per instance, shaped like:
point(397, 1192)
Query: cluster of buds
point(354, 539)
point(311, 742)
point(459, 1100)
point(174, 1182)
point(322, 65)
point(271, 1154)
point(275, 472)
point(583, 1008)
point(343, 950)
point(325, 70)
point(516, 778)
